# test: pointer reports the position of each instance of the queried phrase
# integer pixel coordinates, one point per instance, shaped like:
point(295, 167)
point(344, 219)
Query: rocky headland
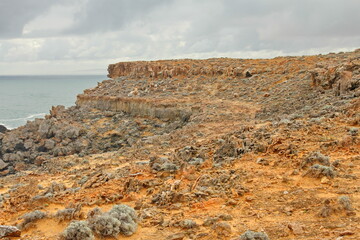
point(193, 149)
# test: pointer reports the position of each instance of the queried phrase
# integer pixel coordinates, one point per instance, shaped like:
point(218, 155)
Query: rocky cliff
point(200, 149)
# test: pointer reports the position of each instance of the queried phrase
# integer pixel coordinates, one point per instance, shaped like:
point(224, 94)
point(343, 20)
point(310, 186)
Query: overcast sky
point(84, 36)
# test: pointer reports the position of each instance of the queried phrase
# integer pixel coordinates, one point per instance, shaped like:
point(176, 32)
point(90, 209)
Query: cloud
point(111, 15)
point(117, 30)
point(15, 14)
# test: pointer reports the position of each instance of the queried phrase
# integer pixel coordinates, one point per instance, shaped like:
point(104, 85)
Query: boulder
point(49, 144)
point(3, 164)
point(58, 112)
point(9, 231)
point(72, 132)
point(3, 129)
point(44, 128)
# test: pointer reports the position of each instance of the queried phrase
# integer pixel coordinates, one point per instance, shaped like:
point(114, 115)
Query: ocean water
point(24, 98)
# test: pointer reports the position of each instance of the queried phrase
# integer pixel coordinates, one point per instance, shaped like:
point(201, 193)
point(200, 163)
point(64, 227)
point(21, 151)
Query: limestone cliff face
point(180, 68)
point(134, 106)
point(155, 88)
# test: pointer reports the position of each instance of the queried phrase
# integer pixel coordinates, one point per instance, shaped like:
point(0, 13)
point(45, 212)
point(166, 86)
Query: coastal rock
point(3, 164)
point(49, 144)
point(44, 128)
point(3, 129)
point(58, 112)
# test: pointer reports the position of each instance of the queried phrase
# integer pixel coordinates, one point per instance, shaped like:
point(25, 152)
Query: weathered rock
point(58, 112)
point(296, 228)
point(49, 144)
point(176, 236)
point(3, 164)
point(9, 231)
point(72, 132)
point(340, 78)
point(188, 223)
point(44, 128)
point(3, 129)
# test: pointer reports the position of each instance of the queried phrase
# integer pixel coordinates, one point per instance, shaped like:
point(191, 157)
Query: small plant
point(77, 230)
point(105, 225)
point(326, 210)
point(127, 217)
point(315, 157)
point(69, 213)
point(94, 212)
point(319, 171)
point(31, 217)
point(345, 203)
point(121, 219)
point(250, 235)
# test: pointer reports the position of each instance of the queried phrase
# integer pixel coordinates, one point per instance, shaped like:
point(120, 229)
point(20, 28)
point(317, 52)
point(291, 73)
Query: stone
point(44, 128)
point(3, 129)
point(176, 236)
point(3, 164)
point(188, 223)
point(262, 161)
point(49, 144)
point(72, 132)
point(9, 231)
point(29, 143)
point(57, 111)
point(296, 228)
point(324, 180)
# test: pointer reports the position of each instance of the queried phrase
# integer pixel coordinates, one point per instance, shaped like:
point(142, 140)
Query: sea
point(24, 98)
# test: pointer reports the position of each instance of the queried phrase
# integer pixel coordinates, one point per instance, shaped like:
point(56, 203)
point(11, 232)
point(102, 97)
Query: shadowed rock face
point(2, 129)
point(134, 107)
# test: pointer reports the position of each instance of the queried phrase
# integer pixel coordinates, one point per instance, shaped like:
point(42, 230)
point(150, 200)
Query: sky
point(83, 36)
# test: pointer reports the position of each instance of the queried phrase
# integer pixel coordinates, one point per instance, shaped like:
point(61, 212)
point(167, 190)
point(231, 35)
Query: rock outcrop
point(341, 78)
point(3, 129)
point(181, 68)
point(134, 106)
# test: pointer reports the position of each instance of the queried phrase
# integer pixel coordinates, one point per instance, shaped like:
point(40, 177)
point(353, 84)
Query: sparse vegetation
point(30, 218)
point(250, 235)
point(315, 157)
point(121, 219)
point(318, 171)
point(77, 230)
point(105, 225)
point(127, 217)
point(345, 203)
point(69, 213)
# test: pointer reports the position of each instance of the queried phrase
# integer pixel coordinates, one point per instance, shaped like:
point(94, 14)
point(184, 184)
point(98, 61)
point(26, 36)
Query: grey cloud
point(14, 14)
point(111, 15)
point(153, 29)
